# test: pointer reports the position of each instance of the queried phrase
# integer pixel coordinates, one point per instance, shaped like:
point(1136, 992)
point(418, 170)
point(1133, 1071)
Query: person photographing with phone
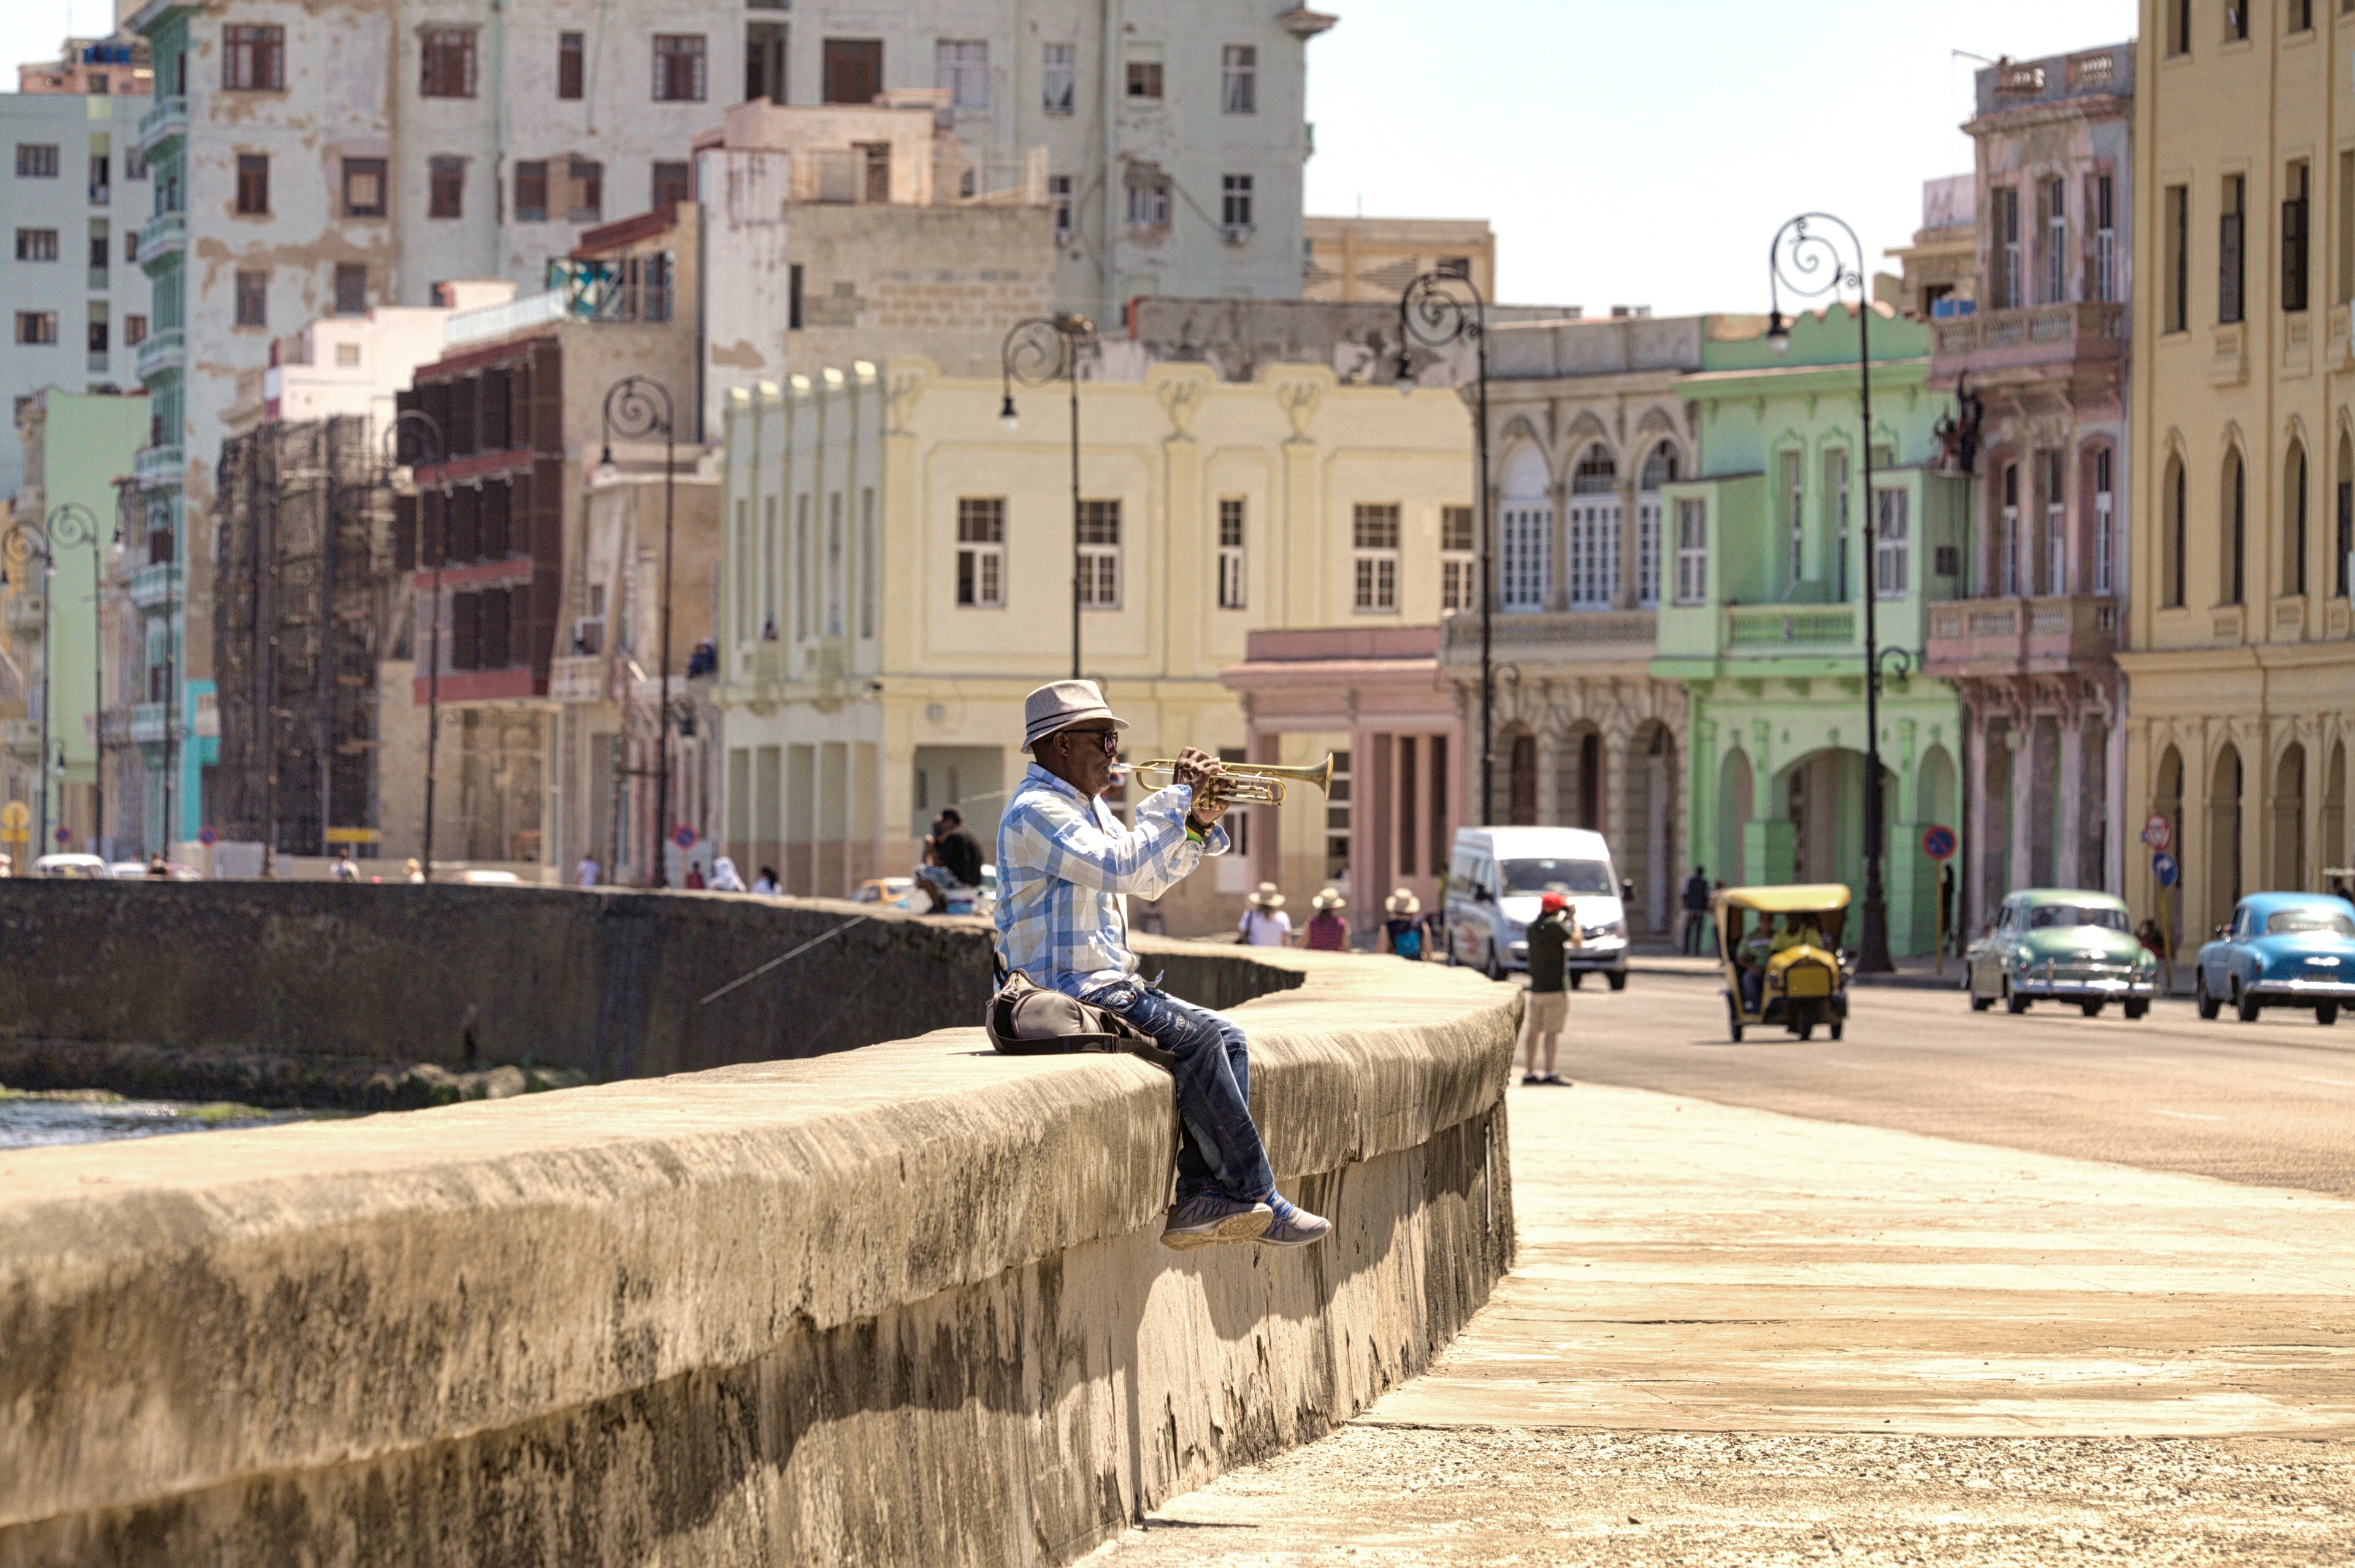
point(1065, 864)
point(1547, 1006)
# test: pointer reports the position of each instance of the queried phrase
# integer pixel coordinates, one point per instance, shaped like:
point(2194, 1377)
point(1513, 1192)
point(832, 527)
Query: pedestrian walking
point(1328, 931)
point(1402, 932)
point(1064, 864)
point(1264, 924)
point(1696, 903)
point(1547, 1006)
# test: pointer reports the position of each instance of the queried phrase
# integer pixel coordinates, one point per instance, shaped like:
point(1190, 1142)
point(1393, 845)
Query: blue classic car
point(2282, 950)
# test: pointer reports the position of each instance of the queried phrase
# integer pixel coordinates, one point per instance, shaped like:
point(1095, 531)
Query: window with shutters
point(1235, 204)
point(531, 192)
point(1660, 468)
point(254, 58)
point(466, 522)
point(445, 187)
point(2004, 204)
point(1145, 81)
point(852, 69)
point(1058, 78)
point(2231, 261)
point(572, 65)
point(1892, 542)
point(351, 288)
point(254, 185)
point(2052, 466)
point(672, 183)
point(1232, 579)
point(1374, 538)
point(36, 326)
point(36, 244)
point(498, 520)
point(446, 63)
point(1593, 530)
point(465, 631)
point(2102, 203)
point(1459, 567)
point(2296, 220)
point(679, 68)
point(1100, 554)
point(960, 68)
point(254, 299)
point(36, 160)
point(2007, 570)
point(2106, 542)
point(2052, 208)
point(1693, 551)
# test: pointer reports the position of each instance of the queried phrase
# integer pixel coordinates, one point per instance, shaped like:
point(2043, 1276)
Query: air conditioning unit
point(1235, 233)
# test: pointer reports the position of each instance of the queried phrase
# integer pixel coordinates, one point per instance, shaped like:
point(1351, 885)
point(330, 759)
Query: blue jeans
point(1220, 1152)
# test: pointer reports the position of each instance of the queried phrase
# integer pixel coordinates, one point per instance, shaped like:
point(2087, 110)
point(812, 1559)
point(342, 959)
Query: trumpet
point(1240, 784)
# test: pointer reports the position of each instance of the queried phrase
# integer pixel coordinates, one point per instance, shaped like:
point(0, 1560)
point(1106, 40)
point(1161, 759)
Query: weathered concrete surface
point(901, 1304)
point(1737, 1337)
point(606, 981)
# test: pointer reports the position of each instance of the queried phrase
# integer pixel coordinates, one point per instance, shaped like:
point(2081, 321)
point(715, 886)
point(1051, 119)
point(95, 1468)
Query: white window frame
point(980, 552)
point(1148, 202)
point(962, 66)
point(1239, 79)
point(1235, 203)
point(1059, 78)
point(2105, 522)
point(1692, 550)
point(1459, 563)
point(1593, 565)
point(1374, 529)
point(1892, 541)
point(2056, 528)
point(1099, 558)
point(1060, 197)
point(772, 567)
point(1233, 565)
point(1527, 556)
point(801, 568)
point(2006, 567)
point(2056, 241)
point(2105, 238)
point(1795, 500)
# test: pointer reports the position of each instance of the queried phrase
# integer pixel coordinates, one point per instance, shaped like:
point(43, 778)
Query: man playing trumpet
point(1064, 865)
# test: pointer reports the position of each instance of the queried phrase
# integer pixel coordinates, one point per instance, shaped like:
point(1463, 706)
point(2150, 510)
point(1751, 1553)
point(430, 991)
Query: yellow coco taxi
point(1783, 963)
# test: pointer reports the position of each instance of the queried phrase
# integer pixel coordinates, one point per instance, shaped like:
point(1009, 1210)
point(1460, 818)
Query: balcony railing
point(22, 737)
point(485, 323)
point(166, 234)
point(159, 464)
point(1997, 636)
point(1790, 628)
point(161, 350)
point(26, 614)
point(147, 723)
point(2054, 327)
point(154, 584)
point(1529, 632)
point(167, 121)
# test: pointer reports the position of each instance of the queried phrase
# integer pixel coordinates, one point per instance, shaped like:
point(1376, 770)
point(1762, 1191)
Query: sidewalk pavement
point(1738, 1336)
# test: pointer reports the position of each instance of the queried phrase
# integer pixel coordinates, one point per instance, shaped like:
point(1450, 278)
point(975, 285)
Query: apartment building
point(1353, 259)
point(2240, 649)
point(74, 191)
point(2043, 359)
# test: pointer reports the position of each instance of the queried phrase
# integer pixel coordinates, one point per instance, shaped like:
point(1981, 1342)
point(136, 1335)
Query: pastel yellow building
point(897, 572)
point(2241, 694)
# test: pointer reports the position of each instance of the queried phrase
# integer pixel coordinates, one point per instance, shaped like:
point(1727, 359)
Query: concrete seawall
point(899, 1304)
point(605, 981)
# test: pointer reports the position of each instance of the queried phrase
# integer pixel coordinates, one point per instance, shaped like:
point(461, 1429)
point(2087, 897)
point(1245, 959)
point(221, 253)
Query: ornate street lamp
point(1040, 350)
point(21, 546)
point(638, 407)
point(72, 525)
point(432, 450)
point(1812, 265)
point(1436, 309)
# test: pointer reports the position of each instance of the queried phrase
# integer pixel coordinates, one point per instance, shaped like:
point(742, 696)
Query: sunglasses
point(1108, 739)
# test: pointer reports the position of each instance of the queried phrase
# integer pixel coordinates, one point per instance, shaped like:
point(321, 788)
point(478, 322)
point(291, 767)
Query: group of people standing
point(1407, 931)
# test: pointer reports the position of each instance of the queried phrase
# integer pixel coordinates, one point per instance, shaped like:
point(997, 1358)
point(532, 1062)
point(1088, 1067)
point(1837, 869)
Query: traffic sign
point(684, 837)
point(1938, 843)
point(2164, 868)
point(2159, 832)
point(207, 836)
point(354, 836)
point(65, 834)
point(15, 815)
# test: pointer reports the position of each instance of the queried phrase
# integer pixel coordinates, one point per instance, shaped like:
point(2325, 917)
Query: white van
point(1496, 881)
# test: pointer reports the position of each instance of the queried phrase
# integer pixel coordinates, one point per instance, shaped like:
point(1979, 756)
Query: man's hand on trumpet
point(1197, 770)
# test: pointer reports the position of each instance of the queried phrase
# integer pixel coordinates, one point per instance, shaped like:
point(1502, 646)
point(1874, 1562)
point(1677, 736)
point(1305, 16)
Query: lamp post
point(1436, 309)
point(637, 407)
point(1811, 265)
point(1037, 350)
point(432, 448)
point(72, 525)
point(21, 546)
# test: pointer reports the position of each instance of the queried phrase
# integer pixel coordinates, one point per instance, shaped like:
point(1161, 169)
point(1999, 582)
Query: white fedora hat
point(1058, 705)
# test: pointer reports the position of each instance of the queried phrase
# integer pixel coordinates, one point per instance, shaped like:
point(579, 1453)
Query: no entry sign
point(2159, 832)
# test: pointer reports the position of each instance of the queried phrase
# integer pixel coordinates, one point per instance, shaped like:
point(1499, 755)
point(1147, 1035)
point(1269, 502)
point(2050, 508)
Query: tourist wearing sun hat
point(1065, 867)
point(1328, 931)
point(1546, 1007)
point(1403, 931)
point(1264, 924)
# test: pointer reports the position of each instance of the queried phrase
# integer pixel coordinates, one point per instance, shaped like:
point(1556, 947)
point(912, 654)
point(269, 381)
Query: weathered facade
point(307, 603)
point(2240, 648)
point(2030, 644)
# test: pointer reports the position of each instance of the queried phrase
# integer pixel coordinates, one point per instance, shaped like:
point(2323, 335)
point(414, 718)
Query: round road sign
point(2157, 832)
point(1938, 843)
point(16, 816)
point(207, 836)
point(683, 836)
point(2163, 866)
point(64, 835)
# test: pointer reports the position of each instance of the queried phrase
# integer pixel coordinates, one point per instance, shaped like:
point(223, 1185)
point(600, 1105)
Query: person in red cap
point(1547, 1006)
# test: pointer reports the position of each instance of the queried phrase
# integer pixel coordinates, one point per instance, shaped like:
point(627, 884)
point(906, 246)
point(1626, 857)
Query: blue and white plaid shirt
point(1065, 863)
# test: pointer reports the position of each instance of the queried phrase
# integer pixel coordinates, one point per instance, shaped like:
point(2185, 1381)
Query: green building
point(75, 447)
point(1761, 612)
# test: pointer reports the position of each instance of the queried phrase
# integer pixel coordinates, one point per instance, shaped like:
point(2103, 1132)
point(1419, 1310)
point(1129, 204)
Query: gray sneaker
point(1212, 1219)
point(1294, 1226)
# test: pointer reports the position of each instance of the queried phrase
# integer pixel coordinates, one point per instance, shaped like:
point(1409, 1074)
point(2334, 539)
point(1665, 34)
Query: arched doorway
point(1735, 807)
point(2223, 834)
point(2334, 809)
point(2166, 801)
point(2289, 819)
point(1525, 557)
point(1652, 781)
point(1578, 779)
point(1521, 809)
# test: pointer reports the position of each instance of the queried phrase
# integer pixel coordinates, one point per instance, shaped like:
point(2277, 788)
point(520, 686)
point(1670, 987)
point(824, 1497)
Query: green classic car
point(2061, 945)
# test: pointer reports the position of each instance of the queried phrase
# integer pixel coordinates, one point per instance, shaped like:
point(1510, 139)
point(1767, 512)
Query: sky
point(1646, 153)
point(1625, 154)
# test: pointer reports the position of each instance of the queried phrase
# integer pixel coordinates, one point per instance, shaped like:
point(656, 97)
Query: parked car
point(2281, 950)
point(484, 877)
point(891, 892)
point(76, 867)
point(2061, 945)
point(1497, 882)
